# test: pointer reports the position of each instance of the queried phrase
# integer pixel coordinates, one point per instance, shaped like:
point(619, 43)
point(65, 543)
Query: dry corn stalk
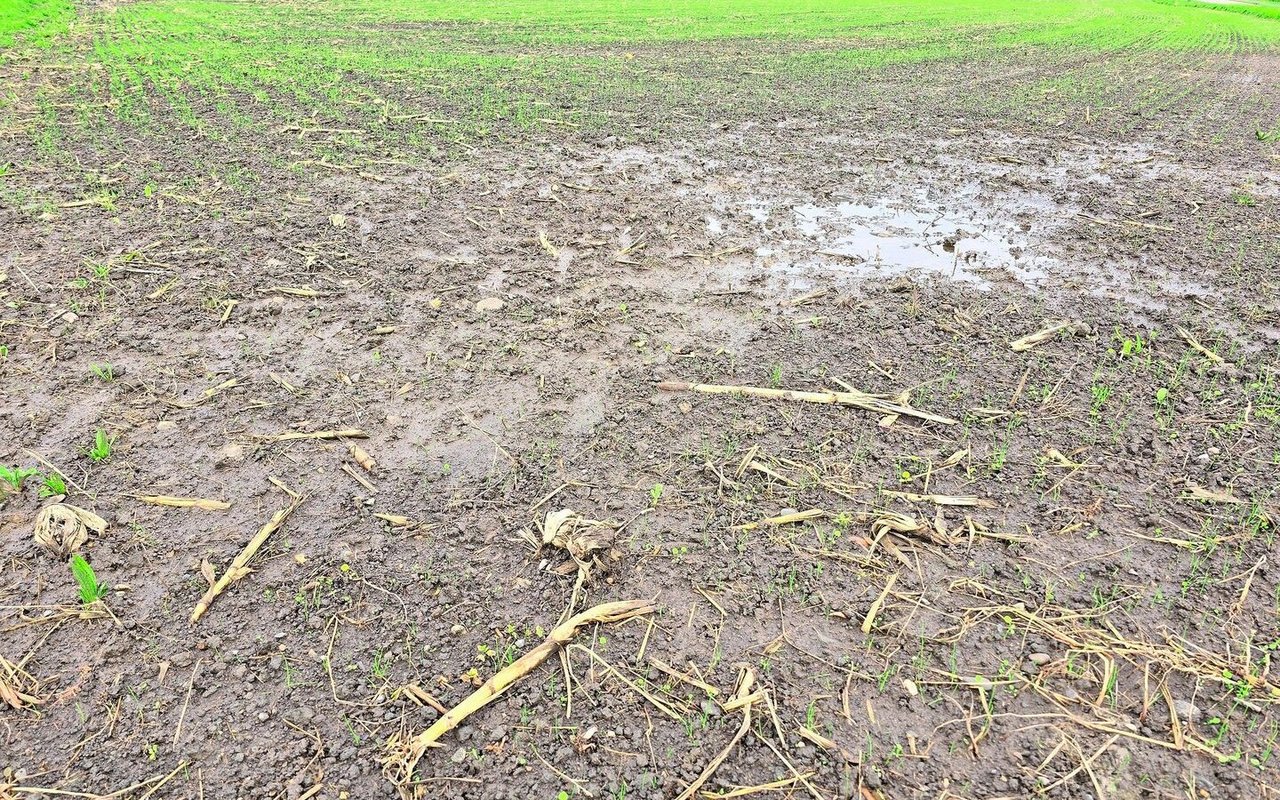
point(869, 621)
point(1203, 495)
point(1199, 348)
point(240, 566)
point(400, 763)
point(945, 499)
point(1039, 337)
point(867, 402)
point(62, 528)
point(366, 461)
point(291, 436)
point(295, 291)
point(782, 519)
point(745, 699)
point(185, 502)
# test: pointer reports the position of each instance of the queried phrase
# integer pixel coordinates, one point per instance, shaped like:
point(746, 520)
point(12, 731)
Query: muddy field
point(1046, 568)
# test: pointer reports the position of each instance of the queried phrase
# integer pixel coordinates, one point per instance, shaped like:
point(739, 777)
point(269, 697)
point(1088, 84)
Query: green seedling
point(103, 372)
point(775, 376)
point(655, 494)
point(1131, 346)
point(53, 486)
point(91, 590)
point(101, 449)
point(16, 476)
point(1101, 394)
point(379, 666)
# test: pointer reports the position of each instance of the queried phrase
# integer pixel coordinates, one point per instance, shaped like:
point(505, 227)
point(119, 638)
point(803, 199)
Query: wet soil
point(1069, 591)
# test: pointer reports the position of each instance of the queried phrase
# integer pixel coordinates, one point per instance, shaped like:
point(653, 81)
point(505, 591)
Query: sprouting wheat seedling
point(91, 591)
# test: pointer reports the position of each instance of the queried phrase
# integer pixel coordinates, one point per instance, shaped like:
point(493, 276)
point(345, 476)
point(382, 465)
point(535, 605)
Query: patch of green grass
point(1100, 394)
point(775, 376)
point(416, 76)
point(33, 21)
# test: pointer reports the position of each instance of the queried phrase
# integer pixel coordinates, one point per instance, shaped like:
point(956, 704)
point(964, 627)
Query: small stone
point(459, 755)
point(457, 630)
point(166, 425)
point(230, 453)
point(1186, 711)
point(910, 686)
point(685, 407)
point(1039, 659)
point(490, 304)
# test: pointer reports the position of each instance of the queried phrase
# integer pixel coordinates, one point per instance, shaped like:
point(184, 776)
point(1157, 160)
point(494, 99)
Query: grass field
point(418, 78)
point(373, 339)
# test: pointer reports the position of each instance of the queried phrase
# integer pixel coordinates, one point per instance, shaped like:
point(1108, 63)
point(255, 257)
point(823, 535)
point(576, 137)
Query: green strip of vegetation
point(33, 21)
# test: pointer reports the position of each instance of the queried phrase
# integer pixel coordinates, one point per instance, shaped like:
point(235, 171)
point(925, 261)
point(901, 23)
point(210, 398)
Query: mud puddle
point(916, 233)
point(887, 239)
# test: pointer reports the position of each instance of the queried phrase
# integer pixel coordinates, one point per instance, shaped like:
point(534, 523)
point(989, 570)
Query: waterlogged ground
point(1060, 583)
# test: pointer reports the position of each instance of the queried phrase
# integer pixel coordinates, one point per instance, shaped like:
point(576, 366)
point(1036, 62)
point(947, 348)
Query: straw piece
point(866, 402)
point(869, 622)
point(239, 567)
point(1039, 337)
point(291, 436)
point(184, 502)
point(205, 395)
point(747, 699)
point(400, 765)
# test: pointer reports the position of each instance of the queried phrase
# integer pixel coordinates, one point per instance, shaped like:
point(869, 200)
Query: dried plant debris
point(18, 689)
point(62, 529)
point(893, 405)
point(403, 754)
point(239, 567)
point(1049, 333)
point(202, 503)
point(588, 542)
